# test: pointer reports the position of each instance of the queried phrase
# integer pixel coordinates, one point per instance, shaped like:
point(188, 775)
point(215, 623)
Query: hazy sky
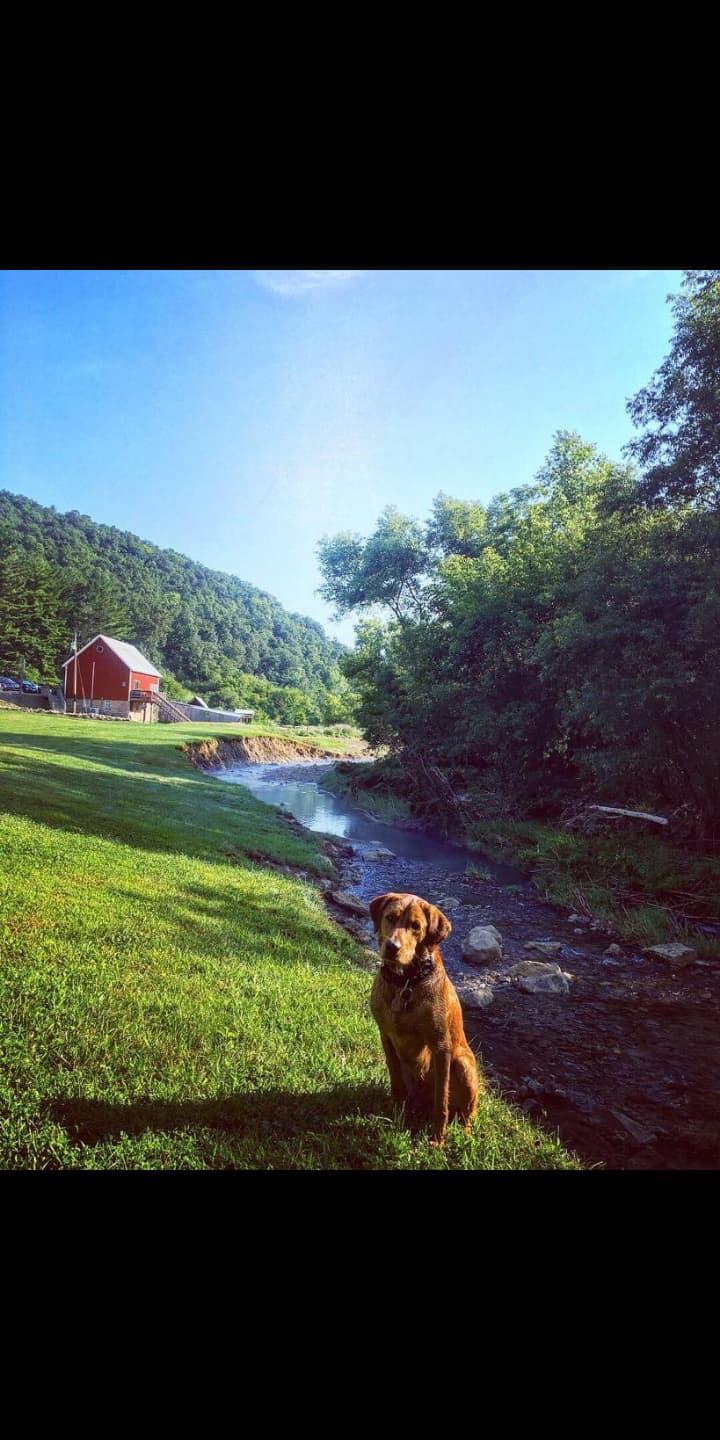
point(238, 416)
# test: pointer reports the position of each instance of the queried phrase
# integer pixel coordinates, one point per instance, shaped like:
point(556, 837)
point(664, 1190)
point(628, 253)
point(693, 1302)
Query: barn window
point(100, 649)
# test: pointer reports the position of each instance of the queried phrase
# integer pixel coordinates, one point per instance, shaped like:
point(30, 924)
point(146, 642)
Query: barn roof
point(125, 652)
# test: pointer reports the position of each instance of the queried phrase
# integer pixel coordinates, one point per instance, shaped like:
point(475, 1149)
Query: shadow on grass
point(278, 1112)
point(329, 1129)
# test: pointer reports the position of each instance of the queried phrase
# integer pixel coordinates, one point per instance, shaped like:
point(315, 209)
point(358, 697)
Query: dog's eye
point(415, 925)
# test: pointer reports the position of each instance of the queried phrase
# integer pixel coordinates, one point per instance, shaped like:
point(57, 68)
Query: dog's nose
point(392, 947)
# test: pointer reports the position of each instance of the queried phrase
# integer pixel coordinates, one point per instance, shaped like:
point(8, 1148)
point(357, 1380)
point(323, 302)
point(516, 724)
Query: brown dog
point(418, 1013)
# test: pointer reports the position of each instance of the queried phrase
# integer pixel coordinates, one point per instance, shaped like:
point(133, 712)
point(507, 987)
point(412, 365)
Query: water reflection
point(318, 809)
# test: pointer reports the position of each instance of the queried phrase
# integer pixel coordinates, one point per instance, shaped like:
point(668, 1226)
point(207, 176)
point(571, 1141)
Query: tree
point(96, 607)
point(457, 527)
point(681, 456)
point(32, 634)
point(385, 570)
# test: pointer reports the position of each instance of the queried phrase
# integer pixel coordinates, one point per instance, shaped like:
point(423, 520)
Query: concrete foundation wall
point(119, 708)
point(26, 702)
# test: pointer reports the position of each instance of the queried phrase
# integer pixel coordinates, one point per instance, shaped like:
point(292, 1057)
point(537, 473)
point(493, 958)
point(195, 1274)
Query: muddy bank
point(253, 750)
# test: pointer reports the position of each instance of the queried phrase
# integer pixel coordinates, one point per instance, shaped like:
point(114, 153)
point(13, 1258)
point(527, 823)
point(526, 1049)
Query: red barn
point(112, 677)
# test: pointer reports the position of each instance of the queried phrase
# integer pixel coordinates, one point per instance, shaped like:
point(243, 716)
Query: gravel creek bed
point(625, 1067)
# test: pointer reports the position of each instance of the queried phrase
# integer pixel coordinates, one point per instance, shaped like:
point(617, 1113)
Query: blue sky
point(238, 416)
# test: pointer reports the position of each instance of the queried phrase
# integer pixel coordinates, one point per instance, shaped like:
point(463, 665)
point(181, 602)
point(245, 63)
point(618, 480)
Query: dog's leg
point(464, 1087)
point(397, 1084)
point(441, 1066)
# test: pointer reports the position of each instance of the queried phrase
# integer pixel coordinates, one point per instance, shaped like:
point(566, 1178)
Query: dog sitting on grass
point(432, 1068)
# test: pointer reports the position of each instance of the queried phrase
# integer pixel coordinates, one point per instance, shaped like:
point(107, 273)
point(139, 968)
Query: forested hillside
point(205, 630)
point(563, 640)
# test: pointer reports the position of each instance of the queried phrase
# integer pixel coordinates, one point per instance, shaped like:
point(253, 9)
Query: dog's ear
point(438, 925)
point(376, 908)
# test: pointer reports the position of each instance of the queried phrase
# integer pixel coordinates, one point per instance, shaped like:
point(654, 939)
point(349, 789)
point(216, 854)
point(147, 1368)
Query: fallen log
point(633, 814)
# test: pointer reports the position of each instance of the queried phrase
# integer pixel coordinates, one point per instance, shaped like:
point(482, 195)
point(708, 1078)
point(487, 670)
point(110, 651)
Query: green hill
point(205, 630)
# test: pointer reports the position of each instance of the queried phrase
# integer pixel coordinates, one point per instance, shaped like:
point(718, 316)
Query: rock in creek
point(535, 978)
point(483, 945)
point(477, 995)
point(638, 1132)
point(677, 956)
point(548, 948)
point(346, 901)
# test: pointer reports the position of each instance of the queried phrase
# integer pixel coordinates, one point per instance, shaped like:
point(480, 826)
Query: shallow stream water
point(624, 1066)
point(330, 814)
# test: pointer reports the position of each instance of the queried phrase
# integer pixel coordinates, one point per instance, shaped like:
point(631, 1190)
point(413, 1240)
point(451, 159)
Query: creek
point(624, 1066)
point(296, 788)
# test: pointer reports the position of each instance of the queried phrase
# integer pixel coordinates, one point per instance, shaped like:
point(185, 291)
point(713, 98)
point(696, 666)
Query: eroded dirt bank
point(254, 750)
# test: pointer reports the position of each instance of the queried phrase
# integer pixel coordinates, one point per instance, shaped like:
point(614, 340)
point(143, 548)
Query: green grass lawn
point(167, 1002)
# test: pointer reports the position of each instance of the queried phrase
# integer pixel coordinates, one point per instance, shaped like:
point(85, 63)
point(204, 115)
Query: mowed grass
point(167, 1002)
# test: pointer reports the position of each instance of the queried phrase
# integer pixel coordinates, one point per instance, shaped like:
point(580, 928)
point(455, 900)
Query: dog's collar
point(417, 971)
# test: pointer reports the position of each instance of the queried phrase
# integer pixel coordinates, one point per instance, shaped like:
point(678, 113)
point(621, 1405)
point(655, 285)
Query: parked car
point(30, 687)
point(7, 684)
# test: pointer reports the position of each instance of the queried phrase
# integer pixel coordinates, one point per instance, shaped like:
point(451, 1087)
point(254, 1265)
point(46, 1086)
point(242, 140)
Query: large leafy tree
point(386, 570)
point(679, 450)
point(558, 649)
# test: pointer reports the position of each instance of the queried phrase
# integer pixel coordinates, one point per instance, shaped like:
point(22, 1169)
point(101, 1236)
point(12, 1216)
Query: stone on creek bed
point(483, 945)
point(677, 956)
point(475, 994)
point(346, 901)
point(374, 852)
point(534, 978)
